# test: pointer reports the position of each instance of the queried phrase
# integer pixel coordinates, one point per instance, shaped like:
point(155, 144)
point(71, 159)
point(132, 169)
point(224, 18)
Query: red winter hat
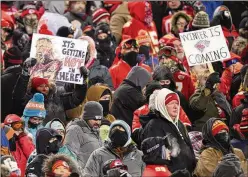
point(11, 118)
point(37, 81)
point(218, 126)
point(60, 163)
point(44, 30)
point(13, 56)
point(171, 97)
point(30, 11)
point(100, 14)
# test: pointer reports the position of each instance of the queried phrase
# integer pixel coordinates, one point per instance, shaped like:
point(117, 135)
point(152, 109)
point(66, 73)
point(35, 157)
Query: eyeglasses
point(132, 43)
point(166, 52)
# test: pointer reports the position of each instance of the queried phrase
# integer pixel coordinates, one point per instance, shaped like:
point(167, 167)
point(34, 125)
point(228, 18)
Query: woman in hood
point(165, 119)
point(60, 166)
point(217, 145)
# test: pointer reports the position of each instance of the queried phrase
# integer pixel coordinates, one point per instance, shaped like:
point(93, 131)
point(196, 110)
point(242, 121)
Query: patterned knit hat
point(35, 107)
point(218, 126)
point(201, 20)
point(100, 14)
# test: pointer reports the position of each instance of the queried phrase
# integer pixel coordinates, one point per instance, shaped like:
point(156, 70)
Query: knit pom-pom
point(38, 97)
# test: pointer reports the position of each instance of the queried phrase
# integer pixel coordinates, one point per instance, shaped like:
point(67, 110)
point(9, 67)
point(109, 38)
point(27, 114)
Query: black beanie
point(102, 28)
point(93, 111)
point(150, 88)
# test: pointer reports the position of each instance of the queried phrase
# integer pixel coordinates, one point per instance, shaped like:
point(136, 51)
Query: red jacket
point(119, 72)
point(237, 99)
point(184, 84)
point(228, 33)
point(156, 171)
point(144, 110)
point(24, 147)
point(136, 26)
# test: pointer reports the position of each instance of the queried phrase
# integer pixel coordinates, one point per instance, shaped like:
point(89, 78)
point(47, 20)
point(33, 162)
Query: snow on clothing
point(132, 158)
point(128, 97)
point(56, 102)
point(24, 147)
point(213, 151)
point(120, 71)
point(8, 79)
point(60, 125)
point(119, 16)
point(53, 16)
point(211, 105)
point(162, 125)
point(49, 163)
point(82, 140)
point(141, 23)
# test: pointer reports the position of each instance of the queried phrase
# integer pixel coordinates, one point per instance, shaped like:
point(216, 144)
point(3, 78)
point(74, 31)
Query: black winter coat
point(161, 127)
point(35, 166)
point(8, 80)
point(56, 103)
point(127, 98)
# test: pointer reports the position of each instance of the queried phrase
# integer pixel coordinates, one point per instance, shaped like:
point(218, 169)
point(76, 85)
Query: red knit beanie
point(171, 97)
point(60, 163)
point(218, 126)
point(100, 14)
point(37, 81)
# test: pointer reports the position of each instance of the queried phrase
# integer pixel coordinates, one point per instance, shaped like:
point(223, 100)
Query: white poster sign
point(58, 58)
point(205, 46)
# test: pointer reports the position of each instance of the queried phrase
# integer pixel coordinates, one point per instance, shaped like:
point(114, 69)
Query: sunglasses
point(166, 52)
point(132, 43)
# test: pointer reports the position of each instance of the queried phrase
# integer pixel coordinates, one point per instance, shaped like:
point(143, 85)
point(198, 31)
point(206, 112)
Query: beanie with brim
point(35, 107)
point(93, 111)
point(125, 126)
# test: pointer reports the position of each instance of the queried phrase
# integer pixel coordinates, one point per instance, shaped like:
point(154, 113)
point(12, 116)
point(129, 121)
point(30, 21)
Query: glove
point(181, 173)
point(116, 172)
point(212, 79)
point(84, 72)
point(27, 65)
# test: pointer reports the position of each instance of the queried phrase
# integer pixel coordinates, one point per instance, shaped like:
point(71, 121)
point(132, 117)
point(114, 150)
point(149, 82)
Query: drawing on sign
point(201, 45)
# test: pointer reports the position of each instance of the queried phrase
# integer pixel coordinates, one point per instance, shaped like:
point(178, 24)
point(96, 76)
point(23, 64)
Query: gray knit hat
point(93, 111)
point(201, 20)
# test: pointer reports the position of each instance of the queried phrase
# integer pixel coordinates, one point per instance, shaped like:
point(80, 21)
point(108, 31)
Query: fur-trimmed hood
point(175, 19)
point(48, 164)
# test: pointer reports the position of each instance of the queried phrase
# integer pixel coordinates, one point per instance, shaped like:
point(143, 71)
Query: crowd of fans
point(141, 110)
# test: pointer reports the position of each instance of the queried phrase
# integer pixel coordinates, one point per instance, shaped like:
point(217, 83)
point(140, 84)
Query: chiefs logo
point(181, 77)
point(31, 11)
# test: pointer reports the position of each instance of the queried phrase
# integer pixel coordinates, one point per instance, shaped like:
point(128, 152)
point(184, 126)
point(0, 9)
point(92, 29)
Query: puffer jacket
point(82, 140)
point(24, 147)
point(56, 103)
point(132, 158)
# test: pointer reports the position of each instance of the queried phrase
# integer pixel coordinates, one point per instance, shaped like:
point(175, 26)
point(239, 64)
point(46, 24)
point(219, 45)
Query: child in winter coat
point(34, 114)
point(23, 144)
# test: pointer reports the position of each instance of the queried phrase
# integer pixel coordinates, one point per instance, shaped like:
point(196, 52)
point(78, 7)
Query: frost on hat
point(35, 107)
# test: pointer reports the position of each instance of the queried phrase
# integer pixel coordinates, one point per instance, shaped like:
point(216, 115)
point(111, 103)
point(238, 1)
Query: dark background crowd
point(141, 110)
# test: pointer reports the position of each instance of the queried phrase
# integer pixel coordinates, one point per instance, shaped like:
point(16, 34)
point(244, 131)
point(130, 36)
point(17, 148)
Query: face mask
point(32, 125)
point(53, 147)
point(223, 139)
point(105, 106)
point(104, 44)
point(118, 138)
point(131, 58)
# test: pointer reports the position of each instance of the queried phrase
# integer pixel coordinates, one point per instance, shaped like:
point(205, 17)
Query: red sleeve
point(226, 80)
point(237, 100)
point(136, 122)
point(26, 144)
point(184, 118)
